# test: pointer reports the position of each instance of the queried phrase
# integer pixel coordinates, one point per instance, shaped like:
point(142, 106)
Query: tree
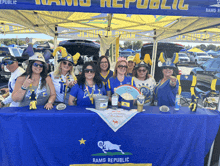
point(203, 47)
point(51, 41)
point(137, 45)
point(210, 47)
point(217, 48)
point(127, 45)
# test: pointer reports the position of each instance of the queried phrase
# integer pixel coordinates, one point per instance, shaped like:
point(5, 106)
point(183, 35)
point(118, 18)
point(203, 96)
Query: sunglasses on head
point(144, 70)
point(8, 62)
point(89, 70)
point(36, 65)
point(121, 66)
point(65, 63)
point(168, 68)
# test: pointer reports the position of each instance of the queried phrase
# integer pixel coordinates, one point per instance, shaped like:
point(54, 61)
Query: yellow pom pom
point(147, 59)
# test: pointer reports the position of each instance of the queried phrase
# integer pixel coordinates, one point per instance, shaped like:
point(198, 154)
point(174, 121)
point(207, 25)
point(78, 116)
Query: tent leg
point(55, 42)
point(154, 56)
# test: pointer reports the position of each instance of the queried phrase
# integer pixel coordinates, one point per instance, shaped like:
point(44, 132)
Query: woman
point(119, 78)
point(131, 65)
point(35, 80)
point(167, 88)
point(104, 69)
point(63, 78)
point(144, 81)
point(89, 85)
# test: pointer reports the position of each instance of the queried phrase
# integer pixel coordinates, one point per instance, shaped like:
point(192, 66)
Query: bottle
point(177, 102)
point(114, 101)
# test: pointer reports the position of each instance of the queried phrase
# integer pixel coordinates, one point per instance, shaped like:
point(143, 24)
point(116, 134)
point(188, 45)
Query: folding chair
point(187, 91)
point(210, 98)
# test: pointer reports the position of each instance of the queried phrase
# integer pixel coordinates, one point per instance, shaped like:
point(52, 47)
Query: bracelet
point(23, 88)
point(50, 102)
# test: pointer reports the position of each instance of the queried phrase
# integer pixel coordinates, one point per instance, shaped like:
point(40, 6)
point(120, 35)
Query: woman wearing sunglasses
point(104, 69)
point(167, 88)
point(36, 80)
point(63, 78)
point(119, 78)
point(143, 80)
point(88, 86)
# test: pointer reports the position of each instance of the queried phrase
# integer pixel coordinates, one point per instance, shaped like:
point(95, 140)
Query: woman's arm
point(49, 104)
point(71, 100)
point(20, 88)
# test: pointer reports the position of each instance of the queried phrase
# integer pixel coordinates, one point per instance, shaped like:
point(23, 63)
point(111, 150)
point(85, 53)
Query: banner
point(201, 8)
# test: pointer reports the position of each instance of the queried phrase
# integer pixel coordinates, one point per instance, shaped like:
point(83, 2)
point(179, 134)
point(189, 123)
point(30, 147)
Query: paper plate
point(128, 92)
point(61, 106)
point(164, 108)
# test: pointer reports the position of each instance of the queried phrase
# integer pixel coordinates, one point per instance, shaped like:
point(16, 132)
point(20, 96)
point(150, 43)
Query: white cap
point(37, 57)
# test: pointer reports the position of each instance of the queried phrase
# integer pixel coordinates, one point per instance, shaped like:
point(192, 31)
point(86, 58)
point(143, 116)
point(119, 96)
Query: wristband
point(23, 88)
point(50, 102)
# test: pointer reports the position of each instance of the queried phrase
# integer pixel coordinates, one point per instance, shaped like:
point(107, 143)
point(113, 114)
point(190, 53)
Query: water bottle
point(114, 101)
point(177, 102)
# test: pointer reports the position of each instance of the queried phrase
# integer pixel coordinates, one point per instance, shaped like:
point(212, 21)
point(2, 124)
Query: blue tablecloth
point(51, 138)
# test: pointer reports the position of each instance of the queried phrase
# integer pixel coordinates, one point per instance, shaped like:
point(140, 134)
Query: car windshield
point(183, 55)
point(15, 52)
point(126, 53)
point(202, 54)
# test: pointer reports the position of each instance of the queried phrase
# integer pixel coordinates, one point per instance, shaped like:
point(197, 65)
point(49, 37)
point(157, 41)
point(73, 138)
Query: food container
point(101, 102)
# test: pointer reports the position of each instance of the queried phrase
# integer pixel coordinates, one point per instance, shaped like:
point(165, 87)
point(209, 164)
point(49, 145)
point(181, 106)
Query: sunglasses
point(170, 68)
point(8, 62)
point(89, 70)
point(130, 62)
point(69, 64)
point(104, 62)
point(121, 66)
point(36, 65)
point(142, 71)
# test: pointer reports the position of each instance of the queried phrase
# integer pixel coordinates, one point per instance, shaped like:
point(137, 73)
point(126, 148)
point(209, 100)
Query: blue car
point(206, 72)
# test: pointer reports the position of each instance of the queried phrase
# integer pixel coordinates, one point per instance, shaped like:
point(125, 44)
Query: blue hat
point(67, 58)
point(168, 62)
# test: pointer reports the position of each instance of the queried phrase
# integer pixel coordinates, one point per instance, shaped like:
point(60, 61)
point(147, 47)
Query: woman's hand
point(173, 80)
point(71, 83)
point(5, 90)
point(48, 106)
point(27, 82)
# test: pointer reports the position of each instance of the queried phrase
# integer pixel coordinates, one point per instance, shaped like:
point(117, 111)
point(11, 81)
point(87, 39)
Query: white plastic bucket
point(101, 102)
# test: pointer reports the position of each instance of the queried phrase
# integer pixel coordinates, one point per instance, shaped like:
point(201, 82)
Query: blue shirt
point(82, 95)
point(165, 94)
point(114, 83)
point(105, 78)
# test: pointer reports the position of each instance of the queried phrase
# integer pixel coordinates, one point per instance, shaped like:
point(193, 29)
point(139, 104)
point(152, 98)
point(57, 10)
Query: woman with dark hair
point(119, 77)
point(89, 85)
point(104, 69)
point(167, 88)
point(144, 81)
point(35, 80)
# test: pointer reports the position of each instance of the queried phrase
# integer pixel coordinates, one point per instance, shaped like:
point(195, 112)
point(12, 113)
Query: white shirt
point(11, 84)
point(146, 87)
point(60, 87)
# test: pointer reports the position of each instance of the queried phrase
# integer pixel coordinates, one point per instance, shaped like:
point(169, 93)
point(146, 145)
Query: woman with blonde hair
point(63, 76)
point(119, 77)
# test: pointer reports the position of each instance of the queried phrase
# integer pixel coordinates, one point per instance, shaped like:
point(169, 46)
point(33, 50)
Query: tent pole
point(154, 56)
point(55, 42)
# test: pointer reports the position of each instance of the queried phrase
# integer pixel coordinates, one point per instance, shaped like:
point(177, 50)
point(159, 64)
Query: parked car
point(125, 54)
point(89, 51)
point(168, 48)
point(183, 58)
point(199, 57)
point(43, 47)
point(16, 52)
point(207, 71)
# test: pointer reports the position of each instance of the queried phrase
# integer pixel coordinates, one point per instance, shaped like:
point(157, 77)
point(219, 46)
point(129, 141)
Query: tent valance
point(152, 7)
